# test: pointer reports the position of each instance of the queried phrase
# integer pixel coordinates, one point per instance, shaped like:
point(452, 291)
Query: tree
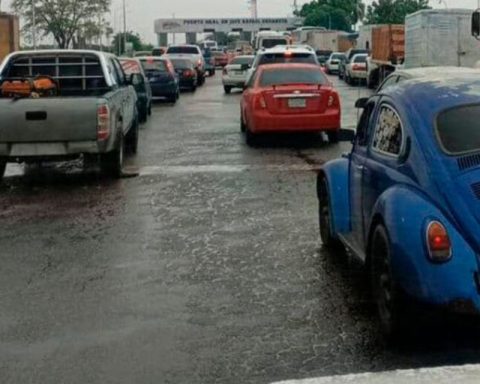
point(134, 38)
point(63, 19)
point(393, 11)
point(333, 14)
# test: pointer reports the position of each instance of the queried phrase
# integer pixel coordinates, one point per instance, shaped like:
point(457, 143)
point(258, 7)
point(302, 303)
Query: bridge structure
point(247, 27)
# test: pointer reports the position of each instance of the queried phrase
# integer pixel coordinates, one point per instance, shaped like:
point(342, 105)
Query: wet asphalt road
point(206, 268)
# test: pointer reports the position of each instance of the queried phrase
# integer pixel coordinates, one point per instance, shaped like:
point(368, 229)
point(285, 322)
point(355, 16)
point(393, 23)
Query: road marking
point(467, 374)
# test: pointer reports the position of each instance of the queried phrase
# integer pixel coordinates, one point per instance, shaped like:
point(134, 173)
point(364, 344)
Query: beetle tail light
point(103, 122)
point(438, 242)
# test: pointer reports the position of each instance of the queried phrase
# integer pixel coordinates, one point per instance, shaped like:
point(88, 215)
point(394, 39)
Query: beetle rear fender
point(406, 213)
point(336, 173)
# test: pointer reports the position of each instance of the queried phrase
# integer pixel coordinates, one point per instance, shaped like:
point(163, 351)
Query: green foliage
point(63, 19)
point(393, 11)
point(132, 37)
point(335, 14)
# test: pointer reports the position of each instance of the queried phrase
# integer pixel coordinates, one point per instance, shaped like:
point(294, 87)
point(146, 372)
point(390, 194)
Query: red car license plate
point(297, 103)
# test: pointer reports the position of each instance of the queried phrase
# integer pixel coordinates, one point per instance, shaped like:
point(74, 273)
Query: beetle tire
point(389, 300)
point(324, 217)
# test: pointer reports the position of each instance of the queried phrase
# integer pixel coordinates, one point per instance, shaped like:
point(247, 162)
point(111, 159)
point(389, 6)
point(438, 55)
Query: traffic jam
point(304, 205)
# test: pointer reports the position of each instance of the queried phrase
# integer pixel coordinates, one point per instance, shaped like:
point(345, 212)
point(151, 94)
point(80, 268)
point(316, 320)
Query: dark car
point(162, 77)
point(348, 56)
point(209, 62)
point(187, 75)
point(143, 89)
point(323, 56)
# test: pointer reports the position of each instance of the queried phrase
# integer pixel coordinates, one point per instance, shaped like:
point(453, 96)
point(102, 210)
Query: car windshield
point(182, 64)
point(183, 50)
point(458, 131)
point(151, 65)
point(270, 43)
point(360, 59)
point(291, 57)
point(285, 76)
point(337, 57)
point(130, 66)
point(242, 60)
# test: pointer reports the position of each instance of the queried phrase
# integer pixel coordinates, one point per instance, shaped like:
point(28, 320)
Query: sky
point(142, 13)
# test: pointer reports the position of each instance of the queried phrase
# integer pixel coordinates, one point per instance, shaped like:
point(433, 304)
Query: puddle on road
point(221, 168)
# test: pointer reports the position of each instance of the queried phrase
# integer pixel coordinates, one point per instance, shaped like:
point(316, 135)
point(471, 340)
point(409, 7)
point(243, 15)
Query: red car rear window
point(285, 76)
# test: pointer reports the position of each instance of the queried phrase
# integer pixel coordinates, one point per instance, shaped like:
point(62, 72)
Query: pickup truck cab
point(406, 200)
point(92, 113)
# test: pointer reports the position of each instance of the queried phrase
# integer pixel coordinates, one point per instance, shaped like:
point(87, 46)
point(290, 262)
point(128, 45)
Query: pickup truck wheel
point(111, 163)
point(227, 89)
point(3, 167)
point(325, 216)
point(386, 293)
point(131, 139)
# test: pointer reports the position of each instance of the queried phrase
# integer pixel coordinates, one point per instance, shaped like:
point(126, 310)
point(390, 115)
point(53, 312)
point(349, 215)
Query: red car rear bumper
point(264, 121)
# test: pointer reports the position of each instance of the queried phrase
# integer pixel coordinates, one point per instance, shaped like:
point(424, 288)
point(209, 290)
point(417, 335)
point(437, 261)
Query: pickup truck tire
point(201, 80)
point(3, 167)
point(227, 89)
point(131, 139)
point(111, 163)
point(389, 299)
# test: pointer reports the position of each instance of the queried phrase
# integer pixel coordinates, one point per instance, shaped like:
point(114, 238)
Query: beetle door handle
point(360, 167)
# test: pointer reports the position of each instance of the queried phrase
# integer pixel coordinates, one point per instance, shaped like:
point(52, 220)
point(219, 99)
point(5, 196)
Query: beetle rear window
point(458, 130)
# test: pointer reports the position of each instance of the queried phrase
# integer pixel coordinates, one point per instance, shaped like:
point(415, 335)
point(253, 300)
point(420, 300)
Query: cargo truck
point(9, 34)
point(387, 53)
point(440, 37)
point(333, 41)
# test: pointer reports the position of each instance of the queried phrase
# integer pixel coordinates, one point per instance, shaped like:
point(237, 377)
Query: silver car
point(235, 74)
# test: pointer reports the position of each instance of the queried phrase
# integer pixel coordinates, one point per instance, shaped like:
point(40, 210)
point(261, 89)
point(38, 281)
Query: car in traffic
point(290, 98)
point(142, 86)
point(221, 58)
point(343, 62)
point(356, 69)
point(333, 62)
point(405, 200)
point(323, 56)
point(283, 54)
point(192, 52)
point(187, 75)
point(209, 59)
point(59, 105)
point(234, 75)
point(162, 78)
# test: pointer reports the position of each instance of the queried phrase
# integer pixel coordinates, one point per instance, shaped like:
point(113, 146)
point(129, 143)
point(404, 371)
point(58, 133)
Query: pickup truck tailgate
point(48, 120)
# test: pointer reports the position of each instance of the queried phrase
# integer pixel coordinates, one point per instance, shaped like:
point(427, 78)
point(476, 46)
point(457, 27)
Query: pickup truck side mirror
point(136, 79)
point(476, 24)
point(361, 103)
point(346, 135)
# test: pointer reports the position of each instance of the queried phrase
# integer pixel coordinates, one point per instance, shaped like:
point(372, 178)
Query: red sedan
point(290, 98)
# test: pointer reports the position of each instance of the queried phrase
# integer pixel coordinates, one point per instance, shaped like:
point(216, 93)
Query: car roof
point(283, 49)
point(244, 57)
point(432, 94)
point(432, 72)
point(154, 58)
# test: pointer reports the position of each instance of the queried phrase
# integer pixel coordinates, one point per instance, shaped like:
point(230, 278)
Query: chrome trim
point(297, 96)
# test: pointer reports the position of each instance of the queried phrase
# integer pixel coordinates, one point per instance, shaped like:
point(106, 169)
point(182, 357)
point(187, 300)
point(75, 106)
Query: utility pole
point(34, 26)
point(173, 34)
point(124, 27)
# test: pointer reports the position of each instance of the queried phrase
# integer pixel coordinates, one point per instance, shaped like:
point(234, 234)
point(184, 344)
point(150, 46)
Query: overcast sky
point(142, 13)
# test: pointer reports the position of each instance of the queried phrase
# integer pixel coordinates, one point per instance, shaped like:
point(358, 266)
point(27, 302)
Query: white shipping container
point(440, 37)
point(323, 40)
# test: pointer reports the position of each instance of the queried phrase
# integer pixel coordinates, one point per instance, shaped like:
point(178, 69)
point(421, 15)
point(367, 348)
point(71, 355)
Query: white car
point(356, 69)
point(333, 62)
point(191, 52)
point(235, 73)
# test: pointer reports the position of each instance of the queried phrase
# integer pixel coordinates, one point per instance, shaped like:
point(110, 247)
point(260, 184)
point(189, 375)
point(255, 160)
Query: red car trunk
point(289, 99)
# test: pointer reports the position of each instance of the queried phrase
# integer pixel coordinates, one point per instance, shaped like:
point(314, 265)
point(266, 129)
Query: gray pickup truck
point(92, 113)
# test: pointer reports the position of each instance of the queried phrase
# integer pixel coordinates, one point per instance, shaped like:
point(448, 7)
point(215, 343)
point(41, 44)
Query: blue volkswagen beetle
point(406, 200)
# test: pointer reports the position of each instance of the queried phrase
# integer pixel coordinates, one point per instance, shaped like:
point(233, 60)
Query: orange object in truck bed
point(388, 43)
point(41, 86)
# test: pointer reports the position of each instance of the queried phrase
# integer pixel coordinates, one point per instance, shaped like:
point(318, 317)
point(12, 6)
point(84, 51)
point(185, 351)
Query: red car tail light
point(103, 122)
point(260, 102)
point(438, 242)
point(187, 73)
point(333, 100)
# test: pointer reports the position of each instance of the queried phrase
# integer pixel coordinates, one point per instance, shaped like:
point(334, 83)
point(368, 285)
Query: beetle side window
point(392, 80)
point(388, 136)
